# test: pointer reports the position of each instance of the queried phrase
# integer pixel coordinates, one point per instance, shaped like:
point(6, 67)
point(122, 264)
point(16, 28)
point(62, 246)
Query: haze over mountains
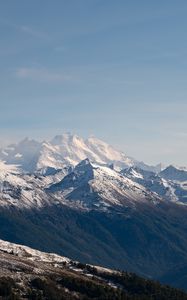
point(65, 149)
point(88, 201)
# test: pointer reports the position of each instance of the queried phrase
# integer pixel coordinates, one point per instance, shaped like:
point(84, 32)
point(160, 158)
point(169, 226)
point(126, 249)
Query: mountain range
point(86, 200)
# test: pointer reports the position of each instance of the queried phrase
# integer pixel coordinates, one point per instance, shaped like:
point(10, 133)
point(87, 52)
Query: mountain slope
point(30, 274)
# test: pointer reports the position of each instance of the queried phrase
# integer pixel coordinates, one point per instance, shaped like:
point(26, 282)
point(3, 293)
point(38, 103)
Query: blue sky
point(113, 69)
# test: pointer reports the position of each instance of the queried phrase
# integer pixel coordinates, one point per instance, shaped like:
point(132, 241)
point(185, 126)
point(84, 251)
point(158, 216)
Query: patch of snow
point(18, 155)
point(35, 255)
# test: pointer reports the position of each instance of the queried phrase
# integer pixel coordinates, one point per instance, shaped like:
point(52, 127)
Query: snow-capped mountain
point(93, 185)
point(66, 150)
point(174, 173)
point(167, 189)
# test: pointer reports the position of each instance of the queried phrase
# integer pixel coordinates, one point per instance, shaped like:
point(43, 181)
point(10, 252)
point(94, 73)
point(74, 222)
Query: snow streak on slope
point(5, 169)
point(11, 174)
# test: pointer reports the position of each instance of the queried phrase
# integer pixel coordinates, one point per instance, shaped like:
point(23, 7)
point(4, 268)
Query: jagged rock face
point(99, 186)
point(169, 190)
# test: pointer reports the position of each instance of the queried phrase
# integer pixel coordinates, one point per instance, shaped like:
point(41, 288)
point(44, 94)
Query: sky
point(113, 69)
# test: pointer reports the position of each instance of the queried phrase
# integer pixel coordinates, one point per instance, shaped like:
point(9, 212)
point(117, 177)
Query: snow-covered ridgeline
point(32, 254)
point(65, 150)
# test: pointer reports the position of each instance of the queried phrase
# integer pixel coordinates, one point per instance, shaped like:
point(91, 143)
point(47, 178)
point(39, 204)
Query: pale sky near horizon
point(113, 69)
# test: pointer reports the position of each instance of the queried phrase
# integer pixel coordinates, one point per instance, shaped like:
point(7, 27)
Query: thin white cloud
point(41, 75)
point(35, 33)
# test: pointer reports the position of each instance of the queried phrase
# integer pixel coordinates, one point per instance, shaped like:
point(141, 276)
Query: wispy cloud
point(29, 30)
point(40, 74)
point(33, 32)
